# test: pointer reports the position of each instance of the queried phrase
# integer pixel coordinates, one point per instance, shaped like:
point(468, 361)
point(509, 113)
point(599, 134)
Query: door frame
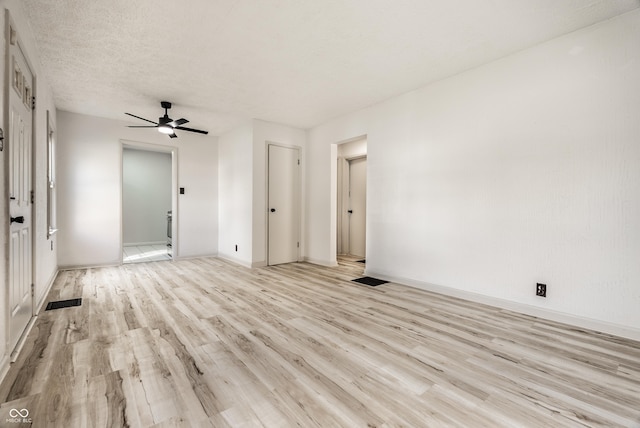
point(159, 148)
point(12, 36)
point(344, 220)
point(339, 221)
point(298, 202)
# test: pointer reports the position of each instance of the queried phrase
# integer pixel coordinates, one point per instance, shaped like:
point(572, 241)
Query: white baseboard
point(93, 265)
point(574, 320)
point(7, 359)
point(45, 293)
point(142, 244)
point(327, 263)
point(192, 257)
point(23, 339)
point(250, 265)
point(235, 260)
point(4, 366)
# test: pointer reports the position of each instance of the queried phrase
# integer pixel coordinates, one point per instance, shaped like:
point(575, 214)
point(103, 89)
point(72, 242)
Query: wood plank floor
point(204, 342)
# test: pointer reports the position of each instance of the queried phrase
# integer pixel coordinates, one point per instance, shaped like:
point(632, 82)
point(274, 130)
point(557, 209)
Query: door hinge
point(298, 161)
point(33, 103)
point(298, 245)
point(33, 290)
point(33, 197)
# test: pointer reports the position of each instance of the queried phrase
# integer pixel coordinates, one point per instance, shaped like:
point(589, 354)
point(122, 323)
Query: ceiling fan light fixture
point(165, 124)
point(165, 129)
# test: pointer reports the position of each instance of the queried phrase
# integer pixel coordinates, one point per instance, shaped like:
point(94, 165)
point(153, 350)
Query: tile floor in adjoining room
point(145, 253)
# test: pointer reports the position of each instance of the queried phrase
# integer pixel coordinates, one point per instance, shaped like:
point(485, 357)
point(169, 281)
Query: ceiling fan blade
point(166, 122)
point(178, 122)
point(141, 118)
point(182, 128)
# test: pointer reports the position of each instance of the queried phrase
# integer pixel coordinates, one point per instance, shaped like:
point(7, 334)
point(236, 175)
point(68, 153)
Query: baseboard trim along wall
point(4, 366)
point(23, 339)
point(574, 320)
point(142, 244)
point(90, 266)
point(45, 293)
point(7, 359)
point(235, 260)
point(202, 256)
point(321, 262)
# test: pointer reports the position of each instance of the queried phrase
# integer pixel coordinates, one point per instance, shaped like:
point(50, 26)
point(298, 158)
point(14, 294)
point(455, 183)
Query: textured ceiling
point(296, 62)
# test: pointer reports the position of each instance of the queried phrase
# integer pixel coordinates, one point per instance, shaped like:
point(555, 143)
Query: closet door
point(284, 204)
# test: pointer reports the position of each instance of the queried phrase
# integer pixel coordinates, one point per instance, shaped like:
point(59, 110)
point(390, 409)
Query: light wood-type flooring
point(207, 343)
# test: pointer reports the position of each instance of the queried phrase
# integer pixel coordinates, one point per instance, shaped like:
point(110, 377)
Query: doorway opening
point(352, 199)
point(148, 203)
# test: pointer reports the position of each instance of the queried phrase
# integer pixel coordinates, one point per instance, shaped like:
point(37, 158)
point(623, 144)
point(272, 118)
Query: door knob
point(350, 211)
point(273, 210)
point(19, 219)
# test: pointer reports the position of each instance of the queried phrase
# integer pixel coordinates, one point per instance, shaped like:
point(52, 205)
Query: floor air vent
point(63, 304)
point(367, 280)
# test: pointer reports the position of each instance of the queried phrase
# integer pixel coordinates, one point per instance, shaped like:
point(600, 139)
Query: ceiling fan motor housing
point(166, 105)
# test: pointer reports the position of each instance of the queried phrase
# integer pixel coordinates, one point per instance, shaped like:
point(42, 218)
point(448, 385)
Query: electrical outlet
point(541, 290)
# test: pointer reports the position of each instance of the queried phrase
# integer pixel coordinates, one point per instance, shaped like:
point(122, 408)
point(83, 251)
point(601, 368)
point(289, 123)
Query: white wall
point(89, 189)
point(321, 165)
point(198, 208)
point(263, 134)
point(146, 196)
point(524, 170)
point(45, 250)
point(235, 190)
point(243, 187)
point(351, 149)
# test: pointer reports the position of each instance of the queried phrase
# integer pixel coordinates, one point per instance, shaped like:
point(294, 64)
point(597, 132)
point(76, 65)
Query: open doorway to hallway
point(352, 199)
point(146, 205)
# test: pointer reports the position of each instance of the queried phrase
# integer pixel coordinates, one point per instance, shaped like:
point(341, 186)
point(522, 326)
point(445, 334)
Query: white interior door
point(357, 206)
point(20, 206)
point(284, 203)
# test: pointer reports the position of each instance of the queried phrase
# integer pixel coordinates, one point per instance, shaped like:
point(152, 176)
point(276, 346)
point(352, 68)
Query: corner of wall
point(327, 263)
